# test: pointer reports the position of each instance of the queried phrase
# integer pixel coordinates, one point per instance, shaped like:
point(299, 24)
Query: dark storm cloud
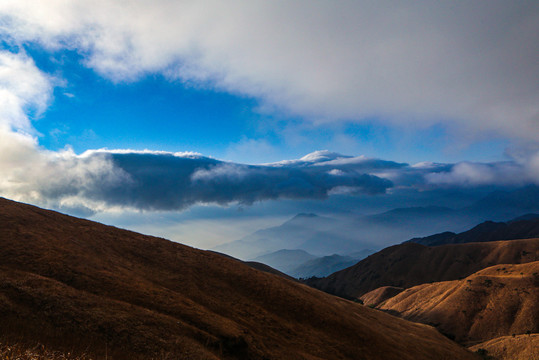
point(169, 182)
point(101, 180)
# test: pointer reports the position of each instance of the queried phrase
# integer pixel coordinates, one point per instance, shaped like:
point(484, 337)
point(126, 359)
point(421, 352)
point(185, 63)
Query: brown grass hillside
point(518, 347)
point(411, 264)
point(498, 301)
point(15, 351)
point(378, 296)
point(77, 285)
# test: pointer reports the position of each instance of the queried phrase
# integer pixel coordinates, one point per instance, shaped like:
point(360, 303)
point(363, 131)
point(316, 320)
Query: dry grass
point(496, 301)
point(518, 347)
point(71, 283)
point(37, 352)
point(378, 296)
point(410, 264)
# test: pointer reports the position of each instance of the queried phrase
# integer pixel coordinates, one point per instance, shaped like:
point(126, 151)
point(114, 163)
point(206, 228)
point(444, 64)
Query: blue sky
point(110, 108)
point(88, 111)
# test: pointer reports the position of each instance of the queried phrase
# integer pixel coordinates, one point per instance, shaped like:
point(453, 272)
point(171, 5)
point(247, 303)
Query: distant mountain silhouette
point(505, 205)
point(324, 236)
point(405, 215)
point(323, 266)
point(75, 284)
point(317, 235)
point(258, 266)
point(530, 216)
point(301, 264)
point(343, 235)
point(524, 227)
point(285, 260)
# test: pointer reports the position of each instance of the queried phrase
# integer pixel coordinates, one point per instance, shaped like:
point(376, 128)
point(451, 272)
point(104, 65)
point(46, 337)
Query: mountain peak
point(305, 215)
point(323, 155)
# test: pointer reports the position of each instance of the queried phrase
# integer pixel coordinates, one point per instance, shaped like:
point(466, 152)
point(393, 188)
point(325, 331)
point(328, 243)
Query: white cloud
point(23, 89)
point(151, 180)
point(28, 172)
point(55, 179)
point(468, 174)
point(284, 66)
point(470, 65)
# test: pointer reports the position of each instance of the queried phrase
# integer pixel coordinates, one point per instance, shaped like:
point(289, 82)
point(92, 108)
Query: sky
point(202, 121)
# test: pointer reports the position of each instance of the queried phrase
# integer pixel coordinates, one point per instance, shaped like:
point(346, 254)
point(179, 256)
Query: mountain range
point(411, 264)
point(522, 227)
point(75, 286)
point(474, 288)
point(349, 233)
point(317, 235)
point(301, 264)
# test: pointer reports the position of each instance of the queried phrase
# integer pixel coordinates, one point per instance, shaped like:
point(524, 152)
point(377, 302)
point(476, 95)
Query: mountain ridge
point(411, 264)
point(523, 227)
point(345, 234)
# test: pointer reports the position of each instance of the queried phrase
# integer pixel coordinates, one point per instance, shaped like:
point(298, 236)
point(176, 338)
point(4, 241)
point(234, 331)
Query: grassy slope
point(410, 264)
point(519, 347)
point(73, 283)
point(497, 301)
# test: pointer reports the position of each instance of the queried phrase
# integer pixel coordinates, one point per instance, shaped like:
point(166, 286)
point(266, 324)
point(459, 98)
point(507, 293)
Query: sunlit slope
point(378, 296)
point(517, 347)
point(497, 301)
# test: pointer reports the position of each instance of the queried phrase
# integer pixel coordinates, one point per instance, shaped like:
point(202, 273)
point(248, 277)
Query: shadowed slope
point(257, 265)
point(68, 279)
point(411, 264)
point(497, 301)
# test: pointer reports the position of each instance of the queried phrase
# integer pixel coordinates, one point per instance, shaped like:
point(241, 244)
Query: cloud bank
point(468, 65)
point(155, 180)
point(104, 180)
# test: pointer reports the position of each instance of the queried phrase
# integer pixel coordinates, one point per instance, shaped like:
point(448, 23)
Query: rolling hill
point(497, 301)
point(75, 284)
point(411, 264)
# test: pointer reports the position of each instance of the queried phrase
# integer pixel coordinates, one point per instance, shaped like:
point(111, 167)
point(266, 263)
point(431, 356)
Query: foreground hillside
point(76, 284)
point(498, 301)
point(411, 264)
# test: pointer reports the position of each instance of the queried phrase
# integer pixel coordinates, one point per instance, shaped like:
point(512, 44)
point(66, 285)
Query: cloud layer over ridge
point(468, 64)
